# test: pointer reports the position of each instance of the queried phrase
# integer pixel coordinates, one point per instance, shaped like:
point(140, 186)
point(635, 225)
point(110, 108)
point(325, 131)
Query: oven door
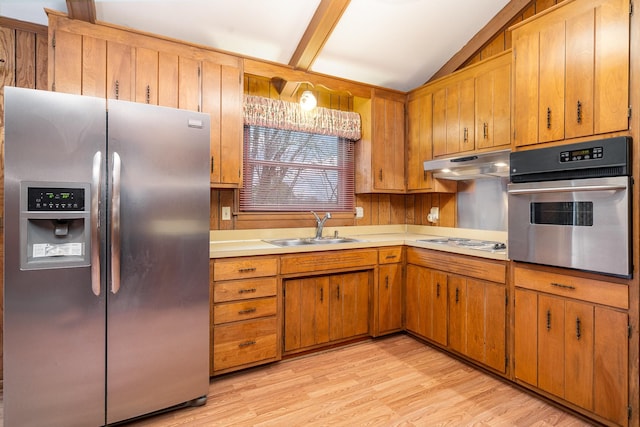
point(582, 224)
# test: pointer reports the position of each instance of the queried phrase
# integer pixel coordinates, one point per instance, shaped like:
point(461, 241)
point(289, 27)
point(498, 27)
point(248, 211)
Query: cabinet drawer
point(243, 310)
point(484, 269)
point(328, 260)
point(390, 255)
point(240, 268)
point(237, 344)
point(596, 291)
point(244, 289)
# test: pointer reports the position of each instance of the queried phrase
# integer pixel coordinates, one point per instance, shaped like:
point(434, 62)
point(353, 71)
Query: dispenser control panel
point(55, 199)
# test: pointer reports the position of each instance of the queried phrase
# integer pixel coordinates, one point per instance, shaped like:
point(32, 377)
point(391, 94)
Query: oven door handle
point(570, 189)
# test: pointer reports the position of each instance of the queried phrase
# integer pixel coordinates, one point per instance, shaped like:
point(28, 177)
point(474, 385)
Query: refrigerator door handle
point(96, 177)
point(115, 225)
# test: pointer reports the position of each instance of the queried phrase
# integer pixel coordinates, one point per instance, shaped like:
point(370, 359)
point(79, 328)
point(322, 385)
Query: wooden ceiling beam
point(320, 28)
point(322, 23)
point(497, 23)
point(83, 10)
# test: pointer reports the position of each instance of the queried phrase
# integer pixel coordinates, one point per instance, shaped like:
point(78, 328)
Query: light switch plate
point(226, 213)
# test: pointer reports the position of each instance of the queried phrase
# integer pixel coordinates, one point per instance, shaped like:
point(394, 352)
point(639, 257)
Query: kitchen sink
point(306, 241)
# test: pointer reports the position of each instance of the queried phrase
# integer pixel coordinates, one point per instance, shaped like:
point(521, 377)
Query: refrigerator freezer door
point(54, 323)
point(158, 307)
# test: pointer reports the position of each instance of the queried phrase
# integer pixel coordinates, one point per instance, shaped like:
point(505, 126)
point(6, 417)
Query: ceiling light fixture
point(308, 100)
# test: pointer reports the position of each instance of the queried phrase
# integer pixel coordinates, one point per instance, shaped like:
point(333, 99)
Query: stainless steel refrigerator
point(106, 298)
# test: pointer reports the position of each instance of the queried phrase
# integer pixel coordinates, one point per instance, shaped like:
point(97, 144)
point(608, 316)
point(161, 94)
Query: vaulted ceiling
point(396, 44)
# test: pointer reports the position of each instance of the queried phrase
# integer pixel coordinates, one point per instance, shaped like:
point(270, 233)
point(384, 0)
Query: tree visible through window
point(288, 170)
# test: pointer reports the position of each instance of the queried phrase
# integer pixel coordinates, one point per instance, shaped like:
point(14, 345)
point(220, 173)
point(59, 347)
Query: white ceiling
point(397, 44)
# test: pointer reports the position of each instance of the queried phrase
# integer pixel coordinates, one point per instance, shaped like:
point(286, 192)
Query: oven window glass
point(562, 213)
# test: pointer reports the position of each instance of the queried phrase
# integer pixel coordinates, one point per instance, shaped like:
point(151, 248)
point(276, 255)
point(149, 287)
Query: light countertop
point(233, 243)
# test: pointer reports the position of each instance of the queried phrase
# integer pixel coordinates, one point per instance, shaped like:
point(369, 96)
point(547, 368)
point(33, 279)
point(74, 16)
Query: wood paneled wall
point(502, 40)
point(23, 63)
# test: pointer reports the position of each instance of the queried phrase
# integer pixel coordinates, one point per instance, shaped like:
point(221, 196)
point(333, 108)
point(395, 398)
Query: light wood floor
point(395, 381)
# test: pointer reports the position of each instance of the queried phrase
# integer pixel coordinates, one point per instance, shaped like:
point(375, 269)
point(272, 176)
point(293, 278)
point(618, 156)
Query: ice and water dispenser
point(54, 225)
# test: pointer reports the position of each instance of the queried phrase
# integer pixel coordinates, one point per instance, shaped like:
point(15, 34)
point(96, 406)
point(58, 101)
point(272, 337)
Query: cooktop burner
point(481, 245)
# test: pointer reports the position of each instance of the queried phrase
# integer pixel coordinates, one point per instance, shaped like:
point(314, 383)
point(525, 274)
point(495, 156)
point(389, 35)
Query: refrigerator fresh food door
point(158, 306)
point(54, 316)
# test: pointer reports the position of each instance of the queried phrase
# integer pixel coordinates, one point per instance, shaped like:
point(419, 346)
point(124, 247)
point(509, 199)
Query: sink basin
point(312, 241)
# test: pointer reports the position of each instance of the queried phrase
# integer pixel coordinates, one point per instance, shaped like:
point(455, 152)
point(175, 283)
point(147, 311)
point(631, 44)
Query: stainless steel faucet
point(320, 222)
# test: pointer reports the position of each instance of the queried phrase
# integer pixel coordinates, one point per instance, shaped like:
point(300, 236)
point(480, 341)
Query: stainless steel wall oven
point(570, 206)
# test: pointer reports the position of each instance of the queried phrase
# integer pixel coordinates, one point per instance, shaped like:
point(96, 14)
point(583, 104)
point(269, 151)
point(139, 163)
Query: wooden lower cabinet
point(323, 309)
point(388, 298)
point(426, 303)
point(461, 305)
point(573, 349)
point(244, 313)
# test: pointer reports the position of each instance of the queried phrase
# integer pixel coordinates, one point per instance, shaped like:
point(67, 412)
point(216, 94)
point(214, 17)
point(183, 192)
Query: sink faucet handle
point(316, 215)
point(328, 215)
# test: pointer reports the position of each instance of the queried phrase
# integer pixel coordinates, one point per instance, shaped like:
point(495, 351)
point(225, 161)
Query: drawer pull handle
point(548, 320)
point(246, 270)
point(246, 344)
point(247, 291)
point(321, 294)
point(247, 311)
point(438, 290)
point(457, 295)
point(386, 282)
point(391, 256)
point(578, 331)
point(560, 285)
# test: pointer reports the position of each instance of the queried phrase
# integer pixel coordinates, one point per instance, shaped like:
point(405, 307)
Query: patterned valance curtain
point(273, 113)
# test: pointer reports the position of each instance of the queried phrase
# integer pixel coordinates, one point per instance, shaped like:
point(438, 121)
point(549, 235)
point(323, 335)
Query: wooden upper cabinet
point(119, 71)
point(115, 63)
point(380, 160)
point(453, 117)
point(571, 71)
point(493, 105)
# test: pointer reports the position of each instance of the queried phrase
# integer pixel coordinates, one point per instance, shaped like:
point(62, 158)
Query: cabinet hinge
point(506, 362)
point(629, 412)
point(629, 111)
point(284, 290)
point(506, 300)
point(53, 41)
point(629, 331)
point(630, 8)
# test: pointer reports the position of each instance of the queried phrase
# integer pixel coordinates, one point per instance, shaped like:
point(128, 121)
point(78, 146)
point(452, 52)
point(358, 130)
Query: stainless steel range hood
point(473, 166)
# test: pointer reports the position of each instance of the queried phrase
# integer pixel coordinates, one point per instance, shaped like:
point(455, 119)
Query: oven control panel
point(590, 153)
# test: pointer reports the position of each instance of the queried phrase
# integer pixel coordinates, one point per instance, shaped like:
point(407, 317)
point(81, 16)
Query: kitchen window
point(290, 170)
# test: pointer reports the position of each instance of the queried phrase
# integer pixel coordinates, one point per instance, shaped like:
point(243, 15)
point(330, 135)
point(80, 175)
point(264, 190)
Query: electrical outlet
point(226, 213)
point(359, 212)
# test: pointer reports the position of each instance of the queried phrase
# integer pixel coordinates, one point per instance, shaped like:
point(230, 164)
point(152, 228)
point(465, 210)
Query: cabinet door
point(419, 143)
point(146, 76)
point(389, 298)
point(167, 79)
point(578, 374)
point(476, 325)
point(438, 329)
point(526, 45)
point(388, 144)
point(67, 63)
point(348, 305)
point(495, 318)
point(222, 99)
point(467, 136)
point(306, 312)
point(457, 286)
point(526, 336)
point(493, 107)
point(440, 122)
point(119, 68)
point(551, 86)
point(551, 354)
point(414, 301)
point(94, 66)
point(580, 54)
point(611, 364)
point(189, 84)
